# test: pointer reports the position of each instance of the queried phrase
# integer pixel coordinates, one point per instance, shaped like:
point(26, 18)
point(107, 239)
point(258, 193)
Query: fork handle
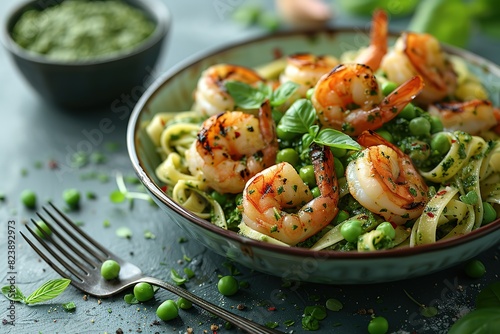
point(240, 322)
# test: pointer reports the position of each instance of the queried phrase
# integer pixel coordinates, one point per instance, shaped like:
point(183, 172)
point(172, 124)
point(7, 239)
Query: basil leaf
point(48, 290)
point(316, 311)
point(13, 294)
point(481, 321)
point(334, 138)
point(489, 296)
point(299, 117)
point(314, 130)
point(307, 139)
point(246, 96)
point(283, 93)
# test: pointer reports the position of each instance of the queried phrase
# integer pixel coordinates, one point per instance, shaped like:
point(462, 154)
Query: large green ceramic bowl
point(173, 92)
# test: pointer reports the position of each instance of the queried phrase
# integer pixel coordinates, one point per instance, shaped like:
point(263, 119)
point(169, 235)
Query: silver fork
point(80, 257)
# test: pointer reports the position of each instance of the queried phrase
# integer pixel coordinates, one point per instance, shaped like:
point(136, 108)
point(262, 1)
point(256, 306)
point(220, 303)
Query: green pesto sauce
point(82, 30)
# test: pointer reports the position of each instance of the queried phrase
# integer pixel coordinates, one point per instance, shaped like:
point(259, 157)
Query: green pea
point(475, 269)
point(71, 197)
point(387, 229)
point(440, 143)
point(41, 227)
point(341, 216)
point(288, 155)
point(167, 310)
point(110, 269)
point(28, 198)
point(436, 124)
point(338, 151)
point(385, 134)
point(283, 134)
point(307, 175)
point(489, 213)
point(388, 87)
point(420, 126)
point(351, 230)
point(227, 285)
point(143, 291)
point(184, 304)
point(220, 198)
point(315, 192)
point(408, 112)
point(378, 325)
point(339, 167)
point(309, 93)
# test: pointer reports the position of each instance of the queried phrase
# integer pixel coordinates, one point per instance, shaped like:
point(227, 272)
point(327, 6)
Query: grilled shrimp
point(421, 54)
point(384, 180)
point(211, 97)
point(305, 70)
point(232, 147)
point(276, 201)
point(349, 99)
point(471, 116)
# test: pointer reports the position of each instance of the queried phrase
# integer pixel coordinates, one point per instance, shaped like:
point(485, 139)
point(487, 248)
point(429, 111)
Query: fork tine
point(89, 239)
point(70, 244)
point(81, 233)
point(54, 254)
point(69, 256)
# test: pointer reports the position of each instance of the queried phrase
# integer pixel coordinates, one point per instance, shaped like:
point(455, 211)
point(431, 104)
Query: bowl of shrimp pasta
point(337, 156)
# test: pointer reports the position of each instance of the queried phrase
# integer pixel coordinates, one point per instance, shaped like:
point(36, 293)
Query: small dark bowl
point(93, 83)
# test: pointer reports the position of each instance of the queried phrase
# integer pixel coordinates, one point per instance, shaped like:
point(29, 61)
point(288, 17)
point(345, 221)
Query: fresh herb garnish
point(249, 97)
point(426, 311)
point(120, 195)
point(301, 119)
point(272, 324)
point(46, 291)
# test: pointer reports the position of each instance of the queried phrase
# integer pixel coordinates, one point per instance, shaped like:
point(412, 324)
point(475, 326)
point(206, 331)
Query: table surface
point(33, 133)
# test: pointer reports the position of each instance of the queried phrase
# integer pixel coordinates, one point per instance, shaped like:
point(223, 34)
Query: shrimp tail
point(404, 94)
point(373, 55)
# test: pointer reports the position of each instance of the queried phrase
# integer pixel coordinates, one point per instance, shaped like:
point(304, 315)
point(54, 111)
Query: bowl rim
point(154, 8)
point(154, 189)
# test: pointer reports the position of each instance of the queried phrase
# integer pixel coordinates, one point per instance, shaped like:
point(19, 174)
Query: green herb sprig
point(122, 194)
point(47, 291)
point(301, 119)
point(249, 97)
point(426, 311)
